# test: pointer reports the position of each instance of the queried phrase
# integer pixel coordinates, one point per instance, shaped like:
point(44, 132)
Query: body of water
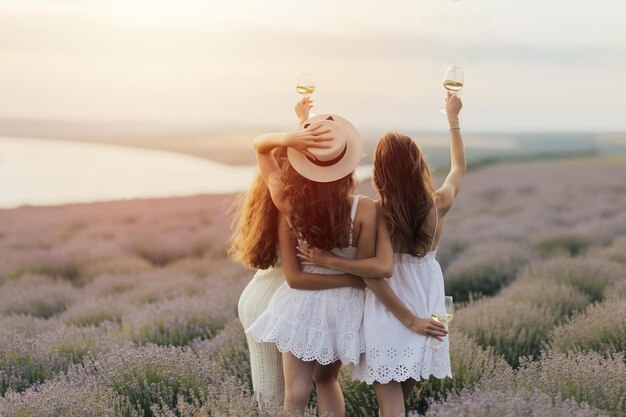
point(50, 171)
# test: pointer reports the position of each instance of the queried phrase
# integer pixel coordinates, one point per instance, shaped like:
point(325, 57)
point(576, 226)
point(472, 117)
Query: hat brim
point(347, 164)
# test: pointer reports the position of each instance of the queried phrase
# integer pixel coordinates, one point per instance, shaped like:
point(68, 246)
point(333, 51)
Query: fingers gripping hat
point(336, 162)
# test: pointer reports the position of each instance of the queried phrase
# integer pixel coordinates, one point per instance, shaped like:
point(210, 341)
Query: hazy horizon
point(530, 67)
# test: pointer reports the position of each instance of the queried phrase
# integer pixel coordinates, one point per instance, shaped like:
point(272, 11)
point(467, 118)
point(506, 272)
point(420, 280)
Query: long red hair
point(320, 211)
point(403, 180)
point(255, 239)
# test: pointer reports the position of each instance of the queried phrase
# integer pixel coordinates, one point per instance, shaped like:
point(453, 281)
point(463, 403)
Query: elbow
point(257, 144)
point(382, 271)
point(294, 283)
point(460, 169)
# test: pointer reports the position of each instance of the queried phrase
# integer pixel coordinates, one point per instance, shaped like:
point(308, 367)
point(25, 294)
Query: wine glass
point(444, 318)
point(306, 83)
point(453, 81)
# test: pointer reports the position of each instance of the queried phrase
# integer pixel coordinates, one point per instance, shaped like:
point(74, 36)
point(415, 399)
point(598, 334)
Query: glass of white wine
point(453, 81)
point(306, 83)
point(443, 318)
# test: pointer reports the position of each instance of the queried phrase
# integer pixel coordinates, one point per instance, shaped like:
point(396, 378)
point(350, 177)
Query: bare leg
point(407, 387)
point(390, 399)
point(298, 383)
point(329, 396)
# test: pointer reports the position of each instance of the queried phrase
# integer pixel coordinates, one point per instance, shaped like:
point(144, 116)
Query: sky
point(531, 65)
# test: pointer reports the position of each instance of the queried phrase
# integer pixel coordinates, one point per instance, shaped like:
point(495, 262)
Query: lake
point(50, 171)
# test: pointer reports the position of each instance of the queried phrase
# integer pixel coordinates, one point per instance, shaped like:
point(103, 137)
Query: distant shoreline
point(233, 146)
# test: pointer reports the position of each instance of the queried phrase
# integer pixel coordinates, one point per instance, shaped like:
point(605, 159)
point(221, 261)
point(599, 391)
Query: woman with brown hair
point(255, 245)
point(413, 214)
point(316, 329)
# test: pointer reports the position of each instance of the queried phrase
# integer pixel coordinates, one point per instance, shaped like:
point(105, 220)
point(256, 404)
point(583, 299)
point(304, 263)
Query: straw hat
point(335, 162)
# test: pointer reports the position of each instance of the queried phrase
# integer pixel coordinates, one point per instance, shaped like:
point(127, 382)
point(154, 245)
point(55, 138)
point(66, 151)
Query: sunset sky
point(530, 65)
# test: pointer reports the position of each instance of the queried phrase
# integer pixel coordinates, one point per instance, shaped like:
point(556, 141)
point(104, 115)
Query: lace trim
point(406, 366)
point(308, 343)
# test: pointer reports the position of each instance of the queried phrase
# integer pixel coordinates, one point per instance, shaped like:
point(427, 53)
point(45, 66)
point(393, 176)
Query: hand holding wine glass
point(303, 108)
point(305, 86)
point(453, 107)
point(443, 317)
point(453, 81)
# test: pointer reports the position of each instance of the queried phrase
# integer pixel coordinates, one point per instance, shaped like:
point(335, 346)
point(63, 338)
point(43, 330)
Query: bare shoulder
point(443, 197)
point(366, 209)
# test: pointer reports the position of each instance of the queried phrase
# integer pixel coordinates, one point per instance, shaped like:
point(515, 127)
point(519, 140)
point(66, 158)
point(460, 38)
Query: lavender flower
point(484, 269)
point(589, 275)
point(178, 321)
point(63, 398)
point(37, 295)
point(511, 329)
point(586, 377)
point(498, 404)
point(559, 298)
point(601, 328)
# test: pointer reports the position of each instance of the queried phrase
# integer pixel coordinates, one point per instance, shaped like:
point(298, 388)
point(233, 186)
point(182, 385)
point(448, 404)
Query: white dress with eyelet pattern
point(393, 351)
point(317, 325)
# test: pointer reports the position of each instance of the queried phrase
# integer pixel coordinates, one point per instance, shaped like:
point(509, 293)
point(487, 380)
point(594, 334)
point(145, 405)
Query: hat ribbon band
point(330, 161)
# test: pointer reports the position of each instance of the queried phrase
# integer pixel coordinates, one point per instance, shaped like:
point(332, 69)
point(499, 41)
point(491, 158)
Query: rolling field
point(128, 308)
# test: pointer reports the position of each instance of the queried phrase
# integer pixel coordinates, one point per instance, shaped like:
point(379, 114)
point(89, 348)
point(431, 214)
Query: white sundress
point(393, 351)
point(316, 325)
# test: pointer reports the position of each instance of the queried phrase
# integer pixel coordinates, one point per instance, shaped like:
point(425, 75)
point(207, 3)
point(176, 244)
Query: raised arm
point(311, 137)
point(302, 280)
point(378, 266)
point(451, 186)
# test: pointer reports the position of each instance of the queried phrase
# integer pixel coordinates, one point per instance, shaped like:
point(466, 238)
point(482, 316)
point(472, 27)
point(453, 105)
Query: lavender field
point(128, 308)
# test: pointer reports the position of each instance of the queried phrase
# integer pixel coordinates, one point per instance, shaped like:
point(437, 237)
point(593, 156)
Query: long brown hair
point(320, 212)
point(402, 178)
point(255, 240)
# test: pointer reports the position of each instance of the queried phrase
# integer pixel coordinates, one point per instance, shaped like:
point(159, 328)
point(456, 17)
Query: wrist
point(285, 139)
point(325, 261)
point(454, 123)
point(410, 322)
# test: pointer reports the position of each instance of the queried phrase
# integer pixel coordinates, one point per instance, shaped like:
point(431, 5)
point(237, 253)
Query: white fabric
point(320, 325)
point(265, 360)
point(394, 352)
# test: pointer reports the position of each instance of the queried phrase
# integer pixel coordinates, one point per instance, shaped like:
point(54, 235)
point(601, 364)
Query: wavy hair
point(320, 211)
point(255, 239)
point(403, 180)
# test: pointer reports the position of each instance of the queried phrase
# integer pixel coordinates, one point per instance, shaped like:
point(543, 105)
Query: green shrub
point(469, 363)
point(498, 404)
point(586, 377)
point(562, 244)
point(177, 322)
point(484, 269)
point(558, 298)
point(37, 295)
point(602, 328)
point(589, 275)
point(511, 329)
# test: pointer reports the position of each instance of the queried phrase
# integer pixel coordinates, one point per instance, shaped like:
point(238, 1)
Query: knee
point(298, 393)
point(323, 378)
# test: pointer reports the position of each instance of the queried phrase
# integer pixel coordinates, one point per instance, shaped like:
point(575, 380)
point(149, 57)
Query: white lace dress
point(319, 325)
point(393, 351)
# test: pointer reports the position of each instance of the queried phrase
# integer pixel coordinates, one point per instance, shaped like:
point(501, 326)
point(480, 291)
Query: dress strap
point(436, 221)
point(355, 204)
